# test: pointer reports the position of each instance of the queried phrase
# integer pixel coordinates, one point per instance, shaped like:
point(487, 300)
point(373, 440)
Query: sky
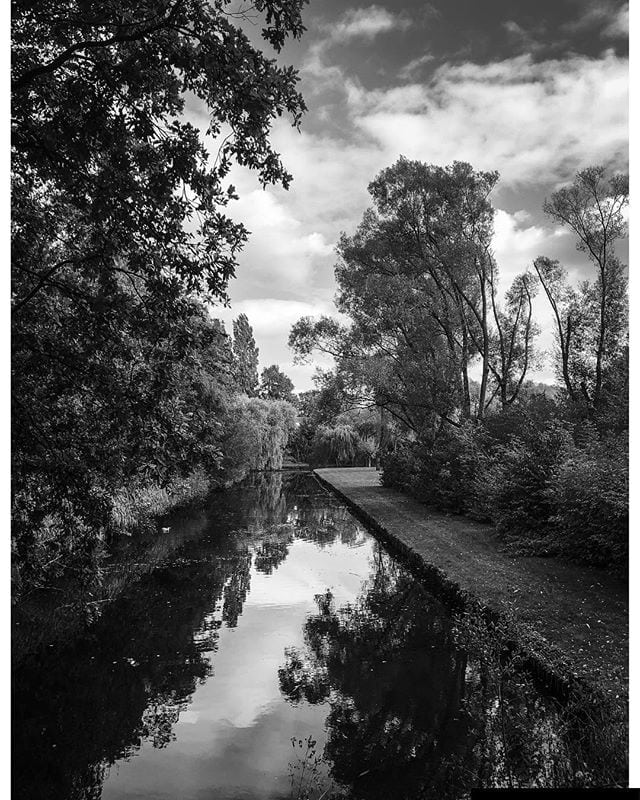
point(536, 89)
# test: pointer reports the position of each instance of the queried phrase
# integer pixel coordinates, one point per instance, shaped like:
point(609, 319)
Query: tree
point(119, 236)
point(275, 385)
point(245, 355)
point(418, 281)
point(590, 322)
point(106, 172)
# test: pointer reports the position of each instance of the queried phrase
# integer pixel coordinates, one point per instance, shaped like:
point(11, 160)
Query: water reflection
point(81, 706)
point(394, 680)
point(273, 651)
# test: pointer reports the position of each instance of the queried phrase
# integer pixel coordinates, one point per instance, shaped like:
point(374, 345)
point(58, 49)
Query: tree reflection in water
point(420, 706)
point(409, 713)
point(394, 681)
point(81, 705)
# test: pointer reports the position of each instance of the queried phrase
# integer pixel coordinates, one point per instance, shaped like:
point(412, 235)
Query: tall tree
point(591, 321)
point(418, 280)
point(245, 356)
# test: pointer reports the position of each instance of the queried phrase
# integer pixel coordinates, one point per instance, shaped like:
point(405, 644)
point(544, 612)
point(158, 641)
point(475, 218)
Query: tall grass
point(135, 507)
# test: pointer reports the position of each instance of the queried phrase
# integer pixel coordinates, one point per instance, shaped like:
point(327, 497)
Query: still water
point(274, 650)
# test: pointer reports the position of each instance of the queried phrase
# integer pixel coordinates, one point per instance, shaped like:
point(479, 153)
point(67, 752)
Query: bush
point(588, 490)
point(448, 469)
point(441, 473)
point(400, 465)
point(548, 485)
point(511, 483)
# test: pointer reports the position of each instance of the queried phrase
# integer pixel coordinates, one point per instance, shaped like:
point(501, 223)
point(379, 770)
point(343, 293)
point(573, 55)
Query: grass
point(135, 507)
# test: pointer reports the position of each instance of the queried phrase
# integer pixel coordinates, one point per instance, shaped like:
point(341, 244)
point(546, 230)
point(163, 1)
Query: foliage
point(245, 357)
point(418, 282)
point(552, 486)
point(256, 434)
point(334, 445)
point(444, 471)
point(275, 385)
point(119, 240)
point(588, 490)
point(332, 430)
point(512, 480)
point(102, 419)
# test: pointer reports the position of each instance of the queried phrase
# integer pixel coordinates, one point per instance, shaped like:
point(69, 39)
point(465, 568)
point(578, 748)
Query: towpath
point(574, 615)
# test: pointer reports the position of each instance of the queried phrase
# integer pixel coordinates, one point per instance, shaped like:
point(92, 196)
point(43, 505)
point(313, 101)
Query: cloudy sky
point(536, 89)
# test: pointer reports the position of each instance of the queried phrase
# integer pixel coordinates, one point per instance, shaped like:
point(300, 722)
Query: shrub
point(400, 466)
point(448, 469)
point(548, 485)
point(588, 490)
point(512, 479)
point(440, 473)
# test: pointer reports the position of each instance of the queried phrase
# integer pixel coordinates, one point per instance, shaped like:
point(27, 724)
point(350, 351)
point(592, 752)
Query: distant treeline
point(441, 361)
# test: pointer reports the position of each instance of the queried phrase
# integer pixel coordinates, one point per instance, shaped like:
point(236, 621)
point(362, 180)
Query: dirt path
point(576, 615)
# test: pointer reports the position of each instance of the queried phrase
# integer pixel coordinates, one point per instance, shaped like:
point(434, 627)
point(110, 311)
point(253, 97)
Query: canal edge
point(548, 669)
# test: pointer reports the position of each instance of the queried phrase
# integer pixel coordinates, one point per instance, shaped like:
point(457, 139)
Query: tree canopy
point(275, 385)
point(418, 281)
point(120, 237)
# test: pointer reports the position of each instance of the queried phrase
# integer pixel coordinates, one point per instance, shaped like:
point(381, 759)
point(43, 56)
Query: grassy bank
point(137, 508)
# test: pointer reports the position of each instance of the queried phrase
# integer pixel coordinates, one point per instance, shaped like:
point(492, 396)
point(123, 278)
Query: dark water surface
point(274, 651)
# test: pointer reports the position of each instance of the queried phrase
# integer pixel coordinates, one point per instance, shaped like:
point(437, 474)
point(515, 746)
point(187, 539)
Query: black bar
point(555, 794)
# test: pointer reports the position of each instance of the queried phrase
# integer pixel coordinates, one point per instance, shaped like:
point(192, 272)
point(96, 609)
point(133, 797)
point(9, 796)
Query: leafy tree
point(591, 321)
point(106, 171)
point(418, 282)
point(275, 385)
point(245, 356)
point(119, 235)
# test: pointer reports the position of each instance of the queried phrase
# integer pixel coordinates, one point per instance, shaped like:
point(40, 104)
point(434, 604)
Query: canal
point(272, 648)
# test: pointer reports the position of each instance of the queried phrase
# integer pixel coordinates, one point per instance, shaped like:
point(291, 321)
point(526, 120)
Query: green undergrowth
point(550, 486)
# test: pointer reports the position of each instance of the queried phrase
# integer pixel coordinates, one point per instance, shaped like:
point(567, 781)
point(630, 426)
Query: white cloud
point(271, 316)
point(532, 121)
point(618, 27)
point(517, 244)
point(365, 23)
point(409, 70)
point(356, 23)
point(611, 20)
point(281, 248)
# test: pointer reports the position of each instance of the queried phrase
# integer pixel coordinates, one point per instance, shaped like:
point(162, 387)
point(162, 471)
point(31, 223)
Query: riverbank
point(572, 619)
